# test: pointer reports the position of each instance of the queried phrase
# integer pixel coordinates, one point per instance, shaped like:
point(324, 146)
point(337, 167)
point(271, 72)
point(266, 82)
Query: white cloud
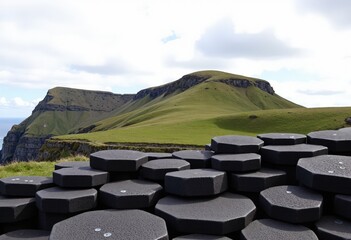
point(3, 101)
point(124, 46)
point(18, 102)
point(221, 40)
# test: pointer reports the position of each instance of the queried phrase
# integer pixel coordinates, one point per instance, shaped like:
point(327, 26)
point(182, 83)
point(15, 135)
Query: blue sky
point(301, 47)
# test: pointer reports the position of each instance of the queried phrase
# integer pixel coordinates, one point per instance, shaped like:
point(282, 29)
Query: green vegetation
point(200, 131)
point(189, 111)
point(209, 109)
point(52, 116)
point(33, 168)
point(203, 101)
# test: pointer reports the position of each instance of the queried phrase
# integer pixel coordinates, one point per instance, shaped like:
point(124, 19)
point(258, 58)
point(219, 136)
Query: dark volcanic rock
point(28, 234)
point(264, 229)
point(59, 200)
point(157, 169)
point(73, 164)
point(342, 205)
point(16, 209)
point(82, 177)
point(196, 158)
point(331, 227)
point(338, 142)
point(201, 237)
point(290, 154)
point(256, 181)
point(130, 194)
point(48, 220)
point(157, 155)
point(282, 138)
point(236, 144)
point(118, 160)
point(244, 162)
point(196, 182)
point(220, 215)
point(329, 173)
point(113, 224)
point(292, 204)
point(23, 186)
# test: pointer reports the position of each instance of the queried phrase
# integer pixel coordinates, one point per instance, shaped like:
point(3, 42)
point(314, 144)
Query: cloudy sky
point(302, 47)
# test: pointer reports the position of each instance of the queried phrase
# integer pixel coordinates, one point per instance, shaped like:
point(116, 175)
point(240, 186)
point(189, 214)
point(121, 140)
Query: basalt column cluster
point(273, 186)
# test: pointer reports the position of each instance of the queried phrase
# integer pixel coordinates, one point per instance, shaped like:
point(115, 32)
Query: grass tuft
point(33, 168)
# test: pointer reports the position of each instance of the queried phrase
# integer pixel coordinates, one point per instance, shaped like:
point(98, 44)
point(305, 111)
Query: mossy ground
point(33, 168)
point(200, 131)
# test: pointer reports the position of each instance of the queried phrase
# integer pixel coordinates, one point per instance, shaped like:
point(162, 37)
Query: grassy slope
point(211, 109)
point(33, 168)
point(203, 101)
point(58, 123)
point(64, 122)
point(200, 131)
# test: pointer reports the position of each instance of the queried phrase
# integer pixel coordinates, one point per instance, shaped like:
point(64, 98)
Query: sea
point(5, 126)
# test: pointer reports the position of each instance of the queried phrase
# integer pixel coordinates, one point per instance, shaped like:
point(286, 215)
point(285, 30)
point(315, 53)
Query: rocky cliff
point(191, 80)
point(66, 110)
point(63, 110)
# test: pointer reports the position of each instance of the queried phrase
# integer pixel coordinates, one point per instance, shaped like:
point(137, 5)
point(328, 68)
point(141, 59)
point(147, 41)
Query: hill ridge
point(196, 96)
point(193, 79)
point(63, 98)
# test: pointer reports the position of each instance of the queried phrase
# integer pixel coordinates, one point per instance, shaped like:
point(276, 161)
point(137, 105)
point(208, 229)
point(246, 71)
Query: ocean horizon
point(5, 126)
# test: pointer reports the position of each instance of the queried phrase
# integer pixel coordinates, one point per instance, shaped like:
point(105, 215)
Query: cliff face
point(182, 84)
point(64, 110)
point(191, 80)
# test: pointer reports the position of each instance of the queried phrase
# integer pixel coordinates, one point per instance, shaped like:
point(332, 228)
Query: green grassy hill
point(208, 99)
point(62, 111)
point(191, 110)
point(199, 131)
point(193, 116)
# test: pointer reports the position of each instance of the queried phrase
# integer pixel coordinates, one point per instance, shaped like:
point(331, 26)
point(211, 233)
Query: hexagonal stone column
point(208, 147)
point(290, 154)
point(82, 177)
point(72, 164)
point(256, 181)
point(264, 229)
point(218, 216)
point(48, 220)
point(196, 158)
point(130, 194)
point(27, 234)
point(329, 173)
point(282, 138)
point(16, 209)
point(23, 186)
point(156, 170)
point(118, 160)
point(201, 237)
point(236, 144)
point(59, 200)
point(157, 155)
point(244, 162)
point(293, 204)
point(196, 182)
point(113, 224)
point(338, 142)
point(331, 227)
point(342, 205)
